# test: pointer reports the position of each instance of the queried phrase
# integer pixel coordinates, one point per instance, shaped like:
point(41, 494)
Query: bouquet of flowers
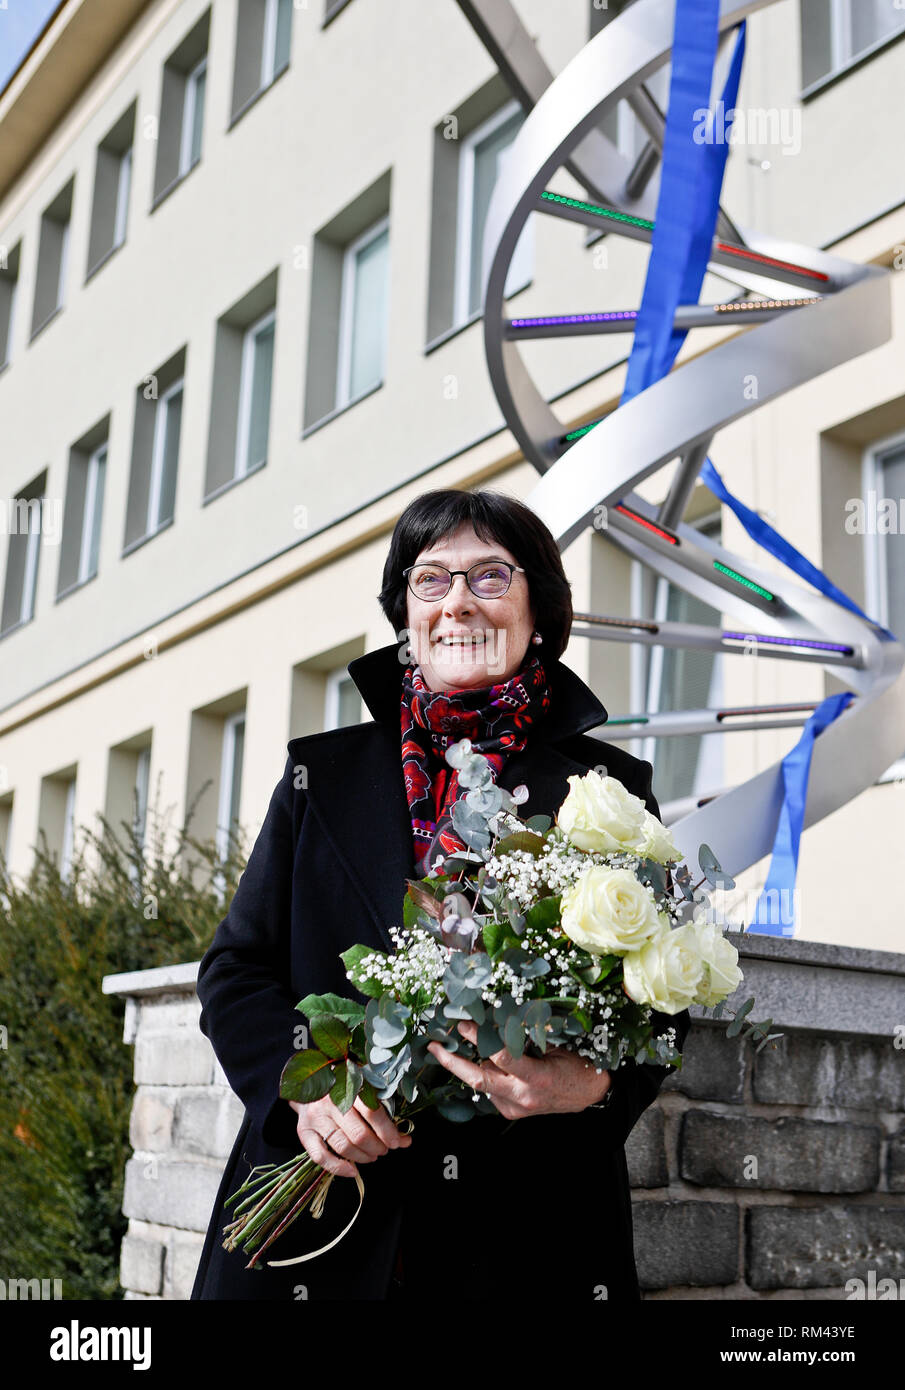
point(567, 934)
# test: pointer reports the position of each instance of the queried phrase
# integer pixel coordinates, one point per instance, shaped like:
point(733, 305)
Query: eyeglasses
point(486, 579)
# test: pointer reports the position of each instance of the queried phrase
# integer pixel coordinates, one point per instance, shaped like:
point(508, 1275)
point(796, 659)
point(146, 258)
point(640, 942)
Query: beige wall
point(233, 595)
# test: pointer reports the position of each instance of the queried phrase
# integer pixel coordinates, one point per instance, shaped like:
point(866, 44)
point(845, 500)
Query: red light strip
point(657, 530)
point(770, 260)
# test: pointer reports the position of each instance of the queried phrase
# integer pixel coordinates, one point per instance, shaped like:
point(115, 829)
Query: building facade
point(240, 329)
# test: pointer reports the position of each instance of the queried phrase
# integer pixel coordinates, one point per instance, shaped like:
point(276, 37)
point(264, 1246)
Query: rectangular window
point(883, 488)
point(678, 678)
point(84, 509)
point(363, 314)
point(254, 395)
point(6, 825)
point(192, 117)
point(342, 705)
point(835, 33)
point(68, 831)
point(263, 36)
point(9, 284)
point(53, 246)
point(56, 818)
point(112, 176)
point(181, 122)
point(22, 555)
point(230, 781)
point(155, 451)
point(482, 158)
point(348, 305)
point(242, 386)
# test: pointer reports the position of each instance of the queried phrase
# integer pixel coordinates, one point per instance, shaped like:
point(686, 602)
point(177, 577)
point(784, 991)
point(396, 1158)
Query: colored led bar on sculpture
point(725, 246)
point(762, 709)
point(642, 521)
point(740, 579)
point(739, 306)
point(789, 642)
point(730, 250)
point(599, 211)
point(551, 320)
point(637, 623)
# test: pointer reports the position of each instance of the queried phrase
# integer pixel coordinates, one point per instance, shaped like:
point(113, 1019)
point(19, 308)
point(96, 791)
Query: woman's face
point(460, 641)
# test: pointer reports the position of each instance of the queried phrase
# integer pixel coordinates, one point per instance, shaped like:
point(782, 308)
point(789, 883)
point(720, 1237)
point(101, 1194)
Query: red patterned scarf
point(497, 719)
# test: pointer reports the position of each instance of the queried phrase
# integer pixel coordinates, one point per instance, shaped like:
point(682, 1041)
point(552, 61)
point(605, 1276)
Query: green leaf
point(489, 1040)
point(307, 1076)
point(369, 1095)
point(347, 1083)
point(736, 1024)
point(351, 959)
point(521, 839)
point(498, 937)
point(544, 914)
point(330, 1034)
point(540, 824)
point(514, 1036)
point(347, 1009)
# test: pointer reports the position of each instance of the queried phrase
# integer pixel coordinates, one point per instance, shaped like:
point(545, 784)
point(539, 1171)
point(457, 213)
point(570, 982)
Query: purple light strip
point(552, 320)
point(789, 642)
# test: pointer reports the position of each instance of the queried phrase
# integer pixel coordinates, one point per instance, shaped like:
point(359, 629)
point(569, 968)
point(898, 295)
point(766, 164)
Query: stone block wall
point(755, 1175)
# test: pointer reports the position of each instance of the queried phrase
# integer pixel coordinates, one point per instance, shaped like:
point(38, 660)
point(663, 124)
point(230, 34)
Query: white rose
point(599, 814)
point(609, 910)
point(658, 843)
point(721, 975)
point(667, 971)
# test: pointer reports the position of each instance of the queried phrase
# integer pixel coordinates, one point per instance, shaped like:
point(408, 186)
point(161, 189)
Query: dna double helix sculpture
point(812, 311)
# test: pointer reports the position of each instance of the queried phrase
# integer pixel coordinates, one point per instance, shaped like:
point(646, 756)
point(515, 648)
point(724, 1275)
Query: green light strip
point(740, 579)
point(598, 211)
point(584, 429)
point(640, 719)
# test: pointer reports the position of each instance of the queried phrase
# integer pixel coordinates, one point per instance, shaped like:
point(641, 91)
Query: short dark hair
point(494, 517)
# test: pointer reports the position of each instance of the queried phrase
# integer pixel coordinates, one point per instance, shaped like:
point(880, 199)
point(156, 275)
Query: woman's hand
point(337, 1141)
point(558, 1081)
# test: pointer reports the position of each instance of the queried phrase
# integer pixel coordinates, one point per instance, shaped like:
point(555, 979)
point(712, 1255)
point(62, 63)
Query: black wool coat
point(488, 1208)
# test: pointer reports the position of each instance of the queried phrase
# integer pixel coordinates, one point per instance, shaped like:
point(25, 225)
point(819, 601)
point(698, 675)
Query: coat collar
point(573, 707)
point(356, 791)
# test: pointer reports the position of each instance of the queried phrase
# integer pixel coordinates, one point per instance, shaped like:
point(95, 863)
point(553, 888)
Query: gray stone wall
point(778, 1174)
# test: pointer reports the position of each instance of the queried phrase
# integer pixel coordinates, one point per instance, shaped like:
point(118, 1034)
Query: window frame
point(346, 306)
point(335, 679)
point(67, 846)
point(30, 568)
point(840, 36)
point(241, 465)
point(189, 106)
point(227, 772)
point(525, 247)
point(94, 480)
point(158, 445)
point(875, 587)
point(647, 695)
point(269, 69)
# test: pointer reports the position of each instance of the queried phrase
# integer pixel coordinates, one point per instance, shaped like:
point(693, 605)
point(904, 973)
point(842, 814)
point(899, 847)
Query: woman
point(534, 1197)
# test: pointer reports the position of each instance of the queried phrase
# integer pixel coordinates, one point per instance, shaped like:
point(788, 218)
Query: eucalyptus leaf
point(514, 1036)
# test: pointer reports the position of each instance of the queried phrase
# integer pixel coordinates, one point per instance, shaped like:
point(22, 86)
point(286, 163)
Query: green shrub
point(67, 1087)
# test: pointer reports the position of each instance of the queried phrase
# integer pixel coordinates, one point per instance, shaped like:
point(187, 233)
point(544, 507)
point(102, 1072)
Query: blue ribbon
point(687, 206)
point(775, 919)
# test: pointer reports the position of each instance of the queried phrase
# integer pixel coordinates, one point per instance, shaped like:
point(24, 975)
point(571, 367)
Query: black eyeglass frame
point(504, 564)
